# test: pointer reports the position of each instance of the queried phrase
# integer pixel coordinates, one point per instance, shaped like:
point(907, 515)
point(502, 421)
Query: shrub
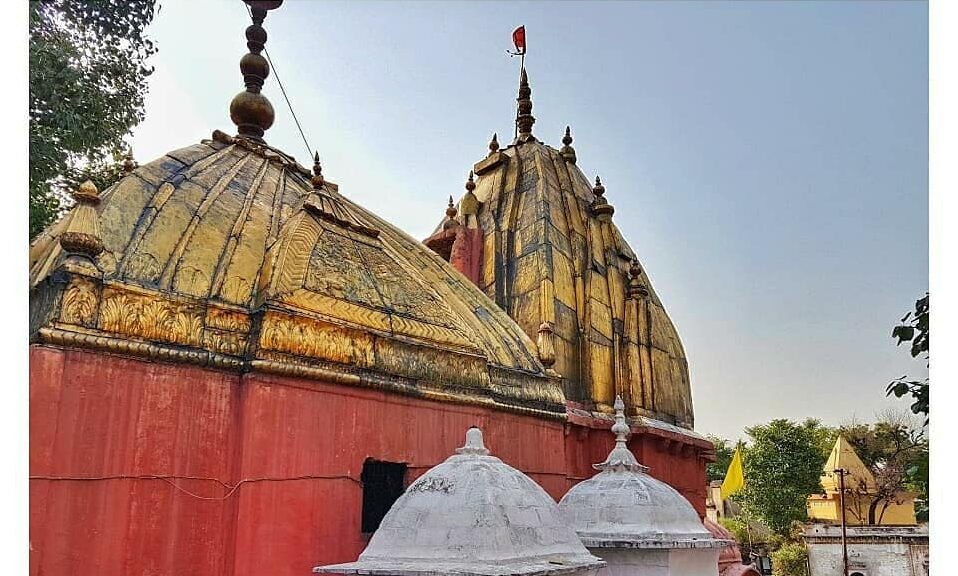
point(790, 560)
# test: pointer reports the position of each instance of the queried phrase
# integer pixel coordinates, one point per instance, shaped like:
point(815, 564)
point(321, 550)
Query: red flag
point(519, 39)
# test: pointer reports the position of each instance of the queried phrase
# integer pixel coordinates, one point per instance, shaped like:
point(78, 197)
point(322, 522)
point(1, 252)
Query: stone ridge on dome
point(472, 515)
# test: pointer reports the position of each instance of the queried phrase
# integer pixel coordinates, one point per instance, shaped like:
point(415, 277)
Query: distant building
point(882, 535)
point(872, 550)
point(863, 504)
point(717, 508)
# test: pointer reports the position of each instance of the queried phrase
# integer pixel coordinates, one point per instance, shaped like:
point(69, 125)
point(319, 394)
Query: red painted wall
point(295, 448)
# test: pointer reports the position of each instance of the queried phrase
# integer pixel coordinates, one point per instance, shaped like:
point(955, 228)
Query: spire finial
point(601, 206)
point(545, 342)
point(82, 234)
point(451, 213)
point(524, 120)
point(620, 459)
point(470, 183)
point(129, 164)
point(494, 144)
point(474, 443)
point(317, 179)
point(250, 110)
point(636, 286)
point(567, 151)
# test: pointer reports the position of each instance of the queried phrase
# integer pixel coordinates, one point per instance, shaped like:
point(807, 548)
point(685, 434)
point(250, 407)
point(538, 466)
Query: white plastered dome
point(473, 515)
point(624, 507)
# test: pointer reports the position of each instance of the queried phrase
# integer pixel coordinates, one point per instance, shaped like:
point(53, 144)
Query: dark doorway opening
point(382, 486)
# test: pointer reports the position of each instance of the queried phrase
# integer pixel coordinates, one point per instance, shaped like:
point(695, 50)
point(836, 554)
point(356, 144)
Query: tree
point(895, 450)
point(723, 457)
point(913, 328)
point(783, 465)
point(88, 80)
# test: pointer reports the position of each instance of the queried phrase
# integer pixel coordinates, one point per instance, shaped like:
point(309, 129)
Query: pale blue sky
point(767, 160)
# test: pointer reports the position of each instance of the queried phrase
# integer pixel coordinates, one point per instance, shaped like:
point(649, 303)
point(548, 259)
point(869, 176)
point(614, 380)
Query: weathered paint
point(297, 445)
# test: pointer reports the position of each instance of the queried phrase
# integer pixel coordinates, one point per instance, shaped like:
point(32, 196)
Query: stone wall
point(872, 550)
point(143, 467)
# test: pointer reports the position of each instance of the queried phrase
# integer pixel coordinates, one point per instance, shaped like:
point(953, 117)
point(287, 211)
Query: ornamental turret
point(541, 242)
point(636, 523)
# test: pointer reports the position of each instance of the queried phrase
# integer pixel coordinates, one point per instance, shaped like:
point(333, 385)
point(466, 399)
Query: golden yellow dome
point(228, 253)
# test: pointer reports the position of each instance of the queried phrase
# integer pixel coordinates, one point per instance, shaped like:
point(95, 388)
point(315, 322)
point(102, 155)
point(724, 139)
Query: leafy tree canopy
point(88, 80)
point(914, 329)
point(783, 464)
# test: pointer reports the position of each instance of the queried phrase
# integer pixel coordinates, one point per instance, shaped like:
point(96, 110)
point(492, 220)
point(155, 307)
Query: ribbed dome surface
point(198, 242)
point(472, 515)
point(552, 253)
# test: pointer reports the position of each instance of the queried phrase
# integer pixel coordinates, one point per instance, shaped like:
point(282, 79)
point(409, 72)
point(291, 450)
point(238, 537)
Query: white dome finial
point(621, 458)
point(474, 443)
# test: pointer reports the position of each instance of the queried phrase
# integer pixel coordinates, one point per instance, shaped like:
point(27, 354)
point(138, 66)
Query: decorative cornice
point(86, 313)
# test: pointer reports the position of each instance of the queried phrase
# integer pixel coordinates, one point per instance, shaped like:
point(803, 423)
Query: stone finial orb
point(252, 113)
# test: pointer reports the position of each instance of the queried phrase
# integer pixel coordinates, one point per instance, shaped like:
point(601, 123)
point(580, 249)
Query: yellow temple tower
point(864, 502)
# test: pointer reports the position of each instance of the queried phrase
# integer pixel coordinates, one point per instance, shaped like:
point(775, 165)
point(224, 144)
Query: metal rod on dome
point(282, 89)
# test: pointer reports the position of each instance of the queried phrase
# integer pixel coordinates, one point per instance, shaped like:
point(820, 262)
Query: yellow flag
point(735, 477)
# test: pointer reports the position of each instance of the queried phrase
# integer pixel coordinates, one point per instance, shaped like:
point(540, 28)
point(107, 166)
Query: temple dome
point(230, 254)
point(624, 507)
point(472, 515)
point(224, 253)
point(551, 253)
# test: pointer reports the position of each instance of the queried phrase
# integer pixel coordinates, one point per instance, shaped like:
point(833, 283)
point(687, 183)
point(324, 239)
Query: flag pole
point(519, 40)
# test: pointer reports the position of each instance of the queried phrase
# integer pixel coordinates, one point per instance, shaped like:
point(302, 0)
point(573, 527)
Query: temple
point(538, 239)
point(236, 370)
point(865, 502)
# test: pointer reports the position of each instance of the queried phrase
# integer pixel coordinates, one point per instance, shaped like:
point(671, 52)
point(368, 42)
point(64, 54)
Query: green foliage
point(914, 329)
point(783, 464)
point(740, 531)
point(87, 86)
point(723, 457)
point(916, 480)
point(824, 436)
point(790, 560)
point(737, 527)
